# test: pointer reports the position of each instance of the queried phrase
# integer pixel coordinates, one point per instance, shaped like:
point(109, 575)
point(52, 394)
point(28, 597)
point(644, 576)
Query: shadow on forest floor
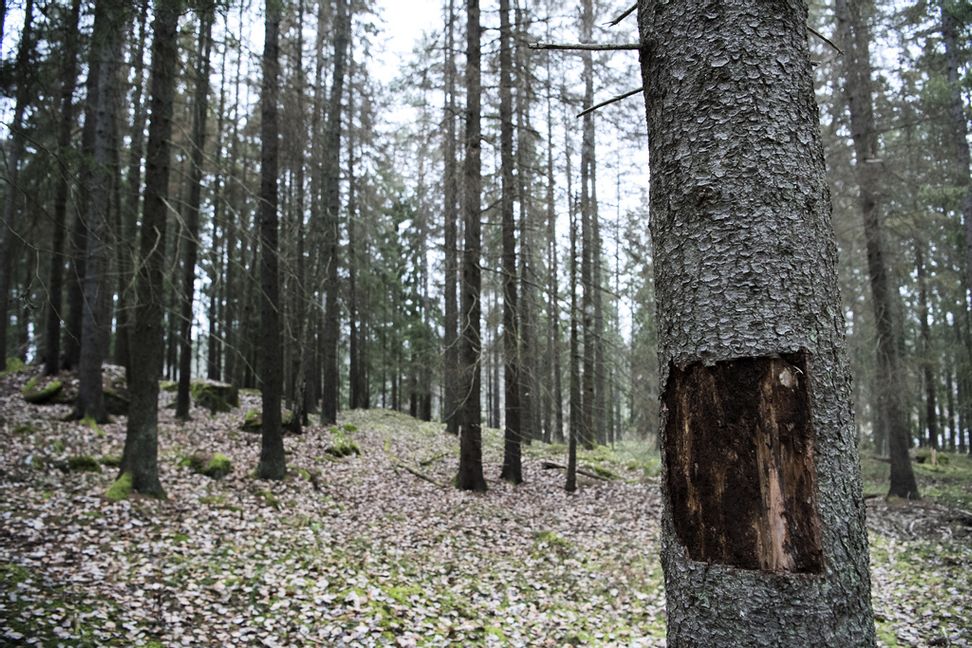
point(375, 547)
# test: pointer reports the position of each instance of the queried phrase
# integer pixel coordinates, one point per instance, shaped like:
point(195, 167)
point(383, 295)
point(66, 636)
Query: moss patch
point(83, 463)
point(121, 489)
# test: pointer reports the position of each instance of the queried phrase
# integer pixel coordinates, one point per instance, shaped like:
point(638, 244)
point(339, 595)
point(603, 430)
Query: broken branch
point(612, 100)
point(596, 47)
point(825, 39)
point(627, 13)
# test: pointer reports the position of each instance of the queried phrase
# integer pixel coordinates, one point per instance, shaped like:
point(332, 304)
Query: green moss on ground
point(121, 489)
point(948, 483)
point(214, 466)
point(83, 463)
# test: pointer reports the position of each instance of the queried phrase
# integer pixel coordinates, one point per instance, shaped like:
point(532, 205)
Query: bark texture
point(745, 271)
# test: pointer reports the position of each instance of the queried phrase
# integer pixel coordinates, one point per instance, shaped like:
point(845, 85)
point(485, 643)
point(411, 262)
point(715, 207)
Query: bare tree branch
point(598, 47)
point(610, 101)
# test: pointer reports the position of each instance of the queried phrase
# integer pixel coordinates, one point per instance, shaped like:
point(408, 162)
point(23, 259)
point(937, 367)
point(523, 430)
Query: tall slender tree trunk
point(450, 370)
point(140, 458)
point(587, 436)
point(107, 39)
point(197, 143)
point(127, 248)
point(763, 537)
point(330, 395)
point(512, 470)
point(575, 414)
point(55, 282)
point(553, 305)
point(272, 461)
point(928, 364)
point(14, 191)
point(470, 475)
point(855, 39)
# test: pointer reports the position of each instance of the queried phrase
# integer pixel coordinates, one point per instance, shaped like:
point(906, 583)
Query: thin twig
point(612, 100)
point(825, 39)
point(627, 13)
point(596, 47)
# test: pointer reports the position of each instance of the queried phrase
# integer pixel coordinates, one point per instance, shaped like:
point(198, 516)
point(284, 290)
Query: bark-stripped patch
point(739, 446)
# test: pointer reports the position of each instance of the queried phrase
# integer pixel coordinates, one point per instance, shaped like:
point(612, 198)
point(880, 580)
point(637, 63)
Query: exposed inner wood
point(739, 446)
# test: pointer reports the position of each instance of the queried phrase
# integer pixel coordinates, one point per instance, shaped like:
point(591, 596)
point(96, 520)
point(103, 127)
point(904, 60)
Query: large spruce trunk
point(763, 531)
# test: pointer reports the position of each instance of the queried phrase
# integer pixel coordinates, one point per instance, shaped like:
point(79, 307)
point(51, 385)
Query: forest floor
point(376, 548)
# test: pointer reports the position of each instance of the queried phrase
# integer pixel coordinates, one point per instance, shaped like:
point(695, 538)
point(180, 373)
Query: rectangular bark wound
point(739, 447)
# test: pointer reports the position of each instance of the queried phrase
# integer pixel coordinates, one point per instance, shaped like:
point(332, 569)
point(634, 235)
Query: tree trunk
point(470, 475)
point(855, 39)
point(763, 537)
point(140, 458)
point(587, 234)
point(512, 470)
point(575, 414)
point(272, 461)
point(450, 371)
point(332, 196)
point(55, 283)
point(129, 218)
point(14, 191)
point(107, 39)
point(928, 364)
point(197, 143)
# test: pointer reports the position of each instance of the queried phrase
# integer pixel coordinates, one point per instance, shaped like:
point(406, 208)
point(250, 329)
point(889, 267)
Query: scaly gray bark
point(745, 267)
point(854, 38)
point(272, 460)
point(140, 457)
point(470, 475)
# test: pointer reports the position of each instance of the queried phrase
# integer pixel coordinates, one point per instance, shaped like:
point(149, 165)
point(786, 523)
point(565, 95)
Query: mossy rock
point(116, 402)
point(341, 447)
point(83, 463)
point(253, 421)
point(214, 466)
point(38, 393)
point(215, 396)
point(924, 456)
point(168, 386)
